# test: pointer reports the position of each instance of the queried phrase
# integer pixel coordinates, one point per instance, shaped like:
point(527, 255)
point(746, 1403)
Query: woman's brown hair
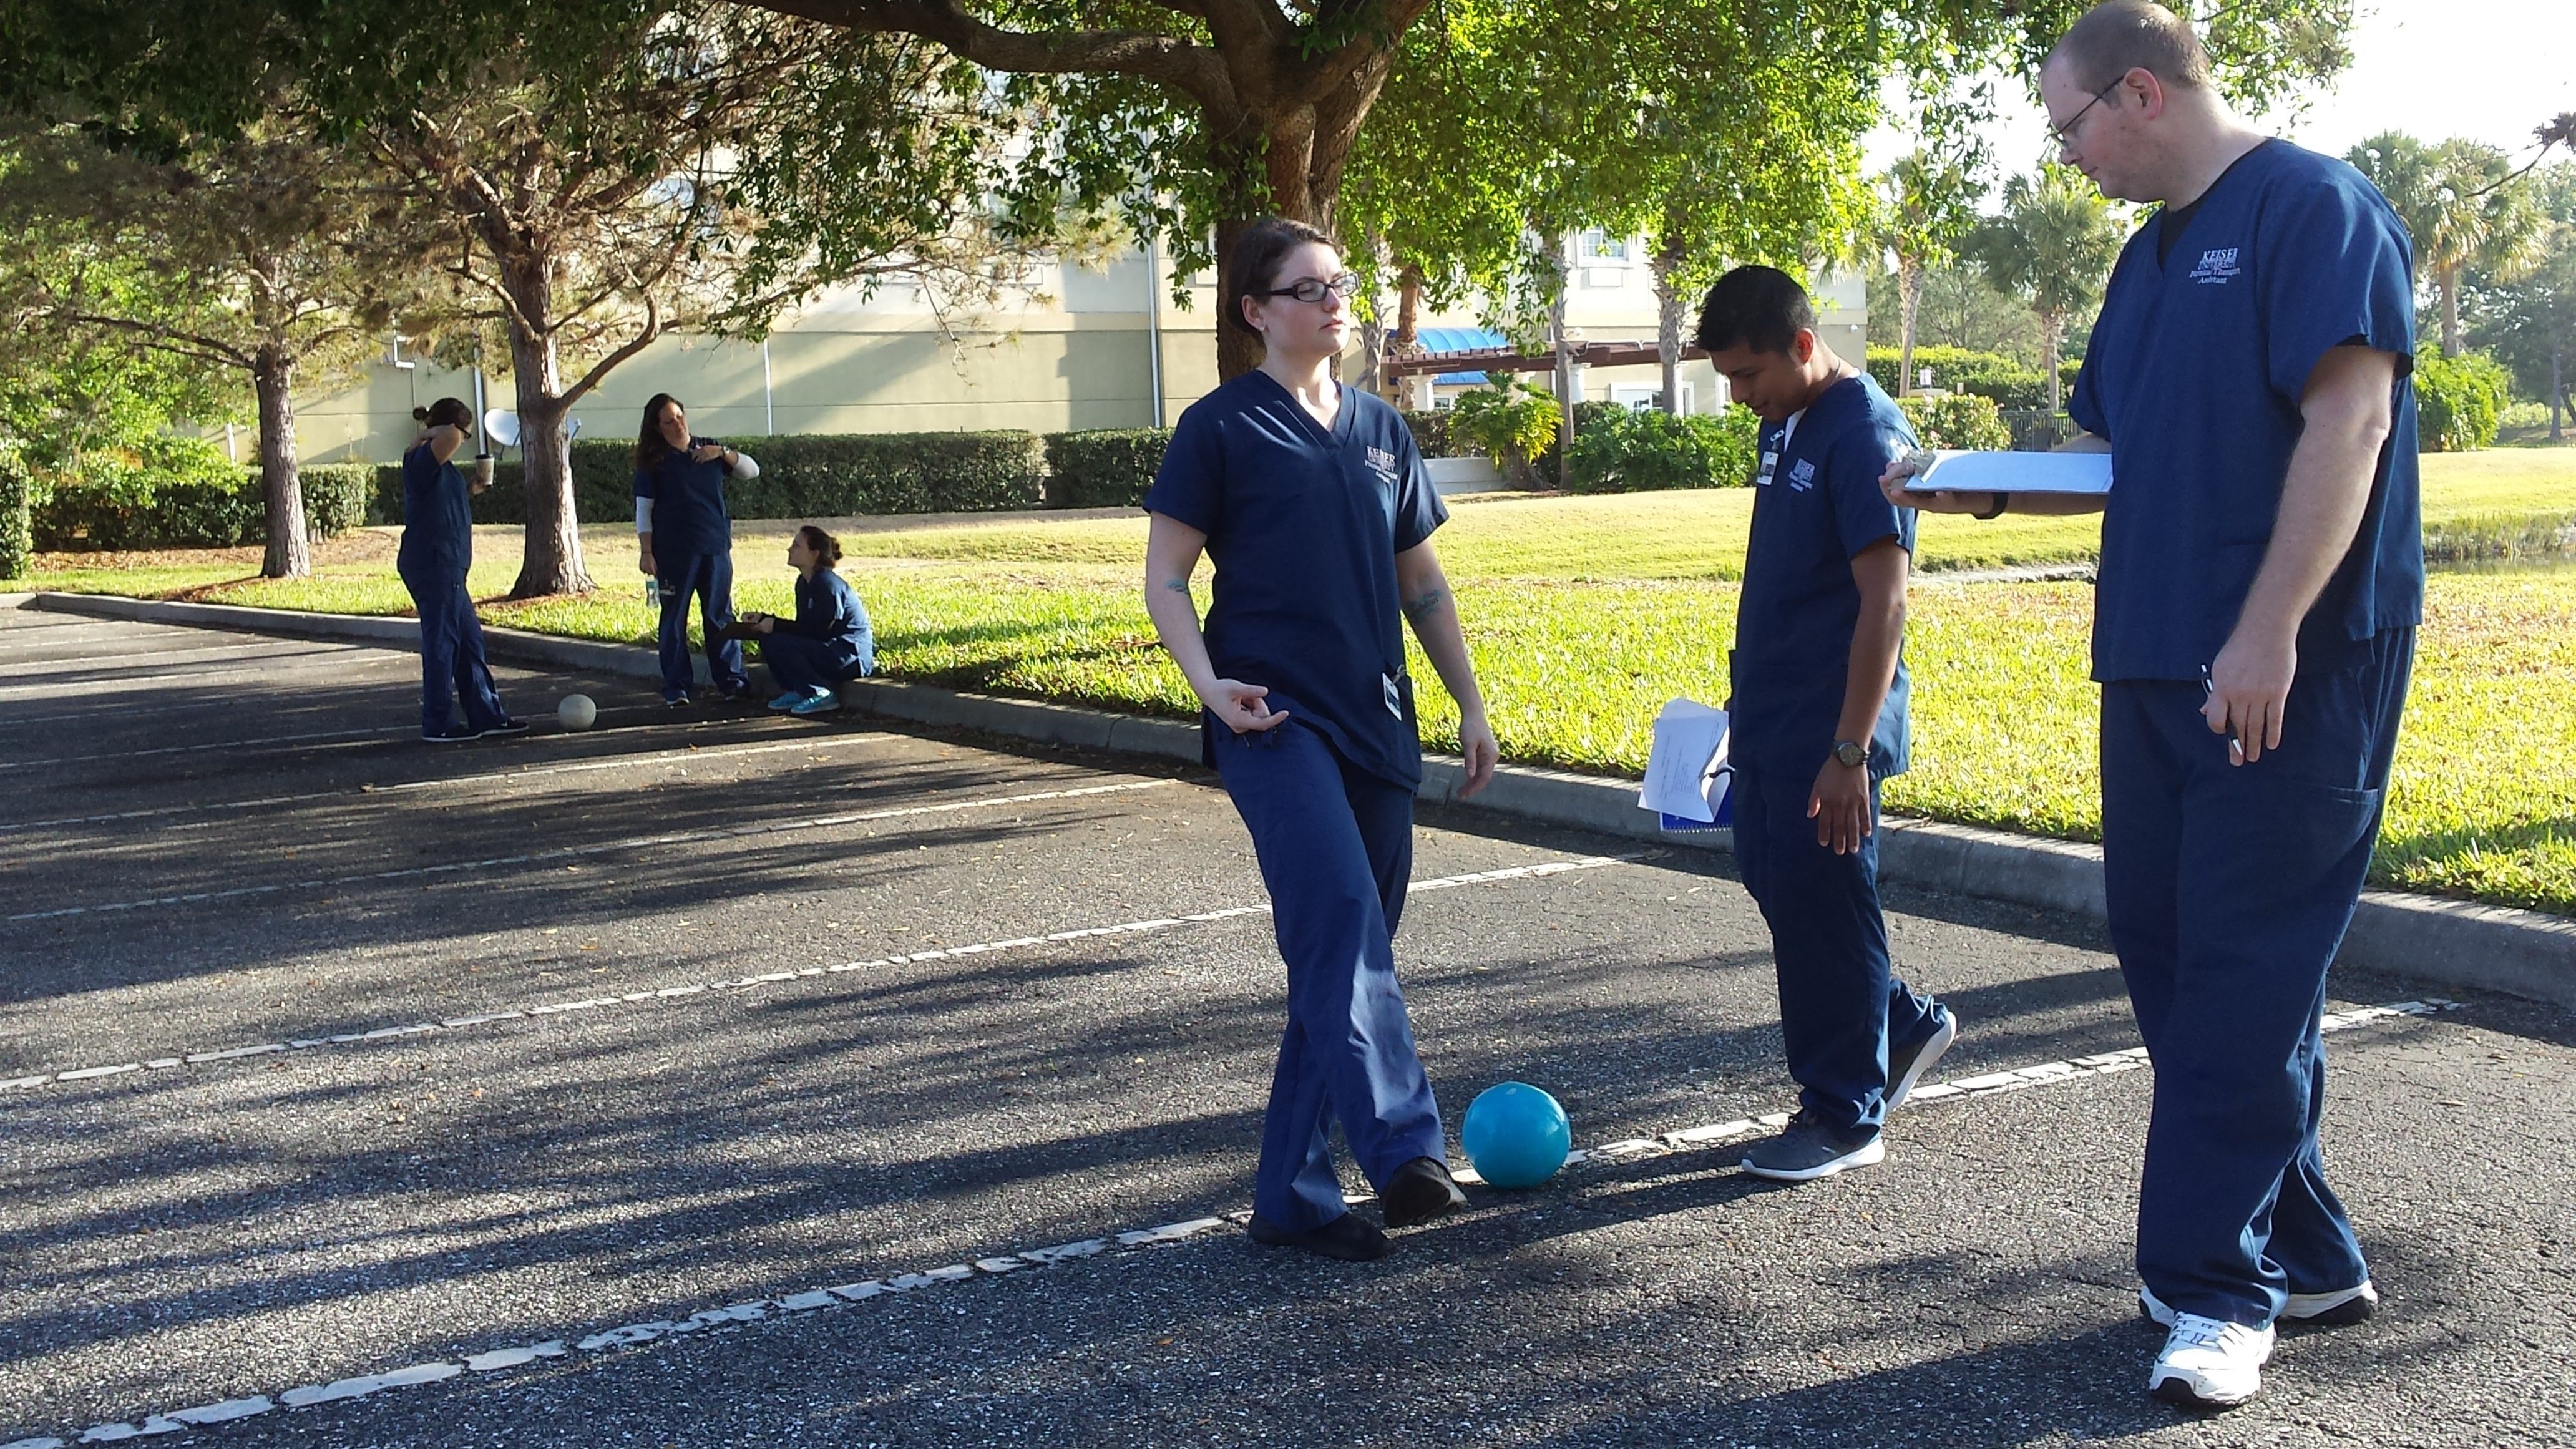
point(650, 448)
point(822, 545)
point(1253, 268)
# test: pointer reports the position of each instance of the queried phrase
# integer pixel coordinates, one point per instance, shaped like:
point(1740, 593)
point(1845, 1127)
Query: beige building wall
point(1075, 348)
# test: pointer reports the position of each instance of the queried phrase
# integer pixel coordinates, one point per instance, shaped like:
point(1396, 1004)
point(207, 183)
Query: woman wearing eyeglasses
point(1312, 502)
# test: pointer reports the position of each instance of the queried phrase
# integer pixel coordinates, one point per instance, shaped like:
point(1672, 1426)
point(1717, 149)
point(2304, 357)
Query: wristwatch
point(1851, 755)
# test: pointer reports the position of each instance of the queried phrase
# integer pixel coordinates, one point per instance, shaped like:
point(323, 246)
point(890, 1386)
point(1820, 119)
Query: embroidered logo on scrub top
point(2216, 265)
point(1383, 461)
point(1802, 475)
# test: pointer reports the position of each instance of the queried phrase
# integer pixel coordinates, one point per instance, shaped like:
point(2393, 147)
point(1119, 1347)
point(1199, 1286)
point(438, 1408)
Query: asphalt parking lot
point(719, 1078)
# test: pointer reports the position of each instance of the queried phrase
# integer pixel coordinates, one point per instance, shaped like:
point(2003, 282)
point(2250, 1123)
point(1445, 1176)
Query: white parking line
point(685, 752)
point(638, 998)
point(577, 852)
point(838, 1296)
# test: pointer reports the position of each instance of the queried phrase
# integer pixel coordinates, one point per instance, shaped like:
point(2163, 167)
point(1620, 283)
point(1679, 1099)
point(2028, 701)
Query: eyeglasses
point(1310, 291)
point(2066, 134)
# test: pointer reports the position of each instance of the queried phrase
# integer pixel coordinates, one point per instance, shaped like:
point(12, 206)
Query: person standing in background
point(436, 554)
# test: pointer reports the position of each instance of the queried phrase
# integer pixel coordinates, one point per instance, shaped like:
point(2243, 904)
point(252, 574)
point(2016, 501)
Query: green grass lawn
point(1585, 615)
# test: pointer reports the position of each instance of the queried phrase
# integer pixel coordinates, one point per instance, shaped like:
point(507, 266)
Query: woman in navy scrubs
point(685, 538)
point(829, 639)
point(436, 554)
point(1315, 508)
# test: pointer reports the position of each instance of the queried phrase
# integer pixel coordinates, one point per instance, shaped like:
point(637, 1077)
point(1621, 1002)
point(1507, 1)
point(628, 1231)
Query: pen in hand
point(2235, 746)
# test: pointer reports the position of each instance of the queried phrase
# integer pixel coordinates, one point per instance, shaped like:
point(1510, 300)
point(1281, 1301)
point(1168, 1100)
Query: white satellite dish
point(502, 426)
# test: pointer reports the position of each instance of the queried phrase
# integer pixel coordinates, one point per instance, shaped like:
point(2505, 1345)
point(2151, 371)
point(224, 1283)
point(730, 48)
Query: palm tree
point(2053, 247)
point(1926, 204)
point(2464, 206)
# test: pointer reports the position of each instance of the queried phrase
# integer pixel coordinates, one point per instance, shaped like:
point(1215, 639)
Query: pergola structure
point(1504, 359)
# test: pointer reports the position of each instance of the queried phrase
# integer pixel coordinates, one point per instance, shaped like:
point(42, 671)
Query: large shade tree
point(2528, 319)
point(277, 258)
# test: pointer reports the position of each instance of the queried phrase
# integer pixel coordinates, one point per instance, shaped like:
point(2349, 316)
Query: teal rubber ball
point(1516, 1135)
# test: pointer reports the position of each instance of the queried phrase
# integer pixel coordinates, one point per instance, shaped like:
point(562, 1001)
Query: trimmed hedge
point(1105, 468)
point(2459, 401)
point(17, 534)
point(1957, 420)
point(1988, 374)
point(200, 501)
point(1625, 450)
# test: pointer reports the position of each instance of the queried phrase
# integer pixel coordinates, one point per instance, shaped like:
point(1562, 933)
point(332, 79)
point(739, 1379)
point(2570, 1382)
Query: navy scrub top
point(1303, 525)
point(689, 518)
point(438, 516)
point(2194, 373)
point(1816, 505)
point(829, 611)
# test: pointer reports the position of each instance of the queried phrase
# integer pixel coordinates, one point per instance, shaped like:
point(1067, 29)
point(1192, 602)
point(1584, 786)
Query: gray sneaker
point(1906, 1065)
point(1807, 1149)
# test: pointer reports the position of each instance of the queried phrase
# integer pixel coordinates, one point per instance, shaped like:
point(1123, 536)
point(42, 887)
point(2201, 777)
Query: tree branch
point(601, 368)
point(165, 339)
point(1195, 70)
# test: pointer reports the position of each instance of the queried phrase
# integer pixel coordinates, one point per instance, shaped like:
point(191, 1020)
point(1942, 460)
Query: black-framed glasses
point(1309, 290)
point(2066, 134)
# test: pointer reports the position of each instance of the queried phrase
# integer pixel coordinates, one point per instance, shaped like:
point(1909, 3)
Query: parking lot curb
point(2452, 943)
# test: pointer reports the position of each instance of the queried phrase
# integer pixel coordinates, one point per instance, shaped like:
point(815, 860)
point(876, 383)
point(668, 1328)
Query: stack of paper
point(1686, 774)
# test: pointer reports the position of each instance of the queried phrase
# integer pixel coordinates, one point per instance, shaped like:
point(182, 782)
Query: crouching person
point(827, 642)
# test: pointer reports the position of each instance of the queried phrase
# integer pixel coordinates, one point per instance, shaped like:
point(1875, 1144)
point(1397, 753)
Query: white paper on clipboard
point(1961, 472)
point(1689, 753)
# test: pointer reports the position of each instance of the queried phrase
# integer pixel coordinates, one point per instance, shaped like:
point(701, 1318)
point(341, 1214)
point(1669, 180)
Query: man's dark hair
point(1253, 266)
point(450, 412)
point(2112, 39)
point(1762, 308)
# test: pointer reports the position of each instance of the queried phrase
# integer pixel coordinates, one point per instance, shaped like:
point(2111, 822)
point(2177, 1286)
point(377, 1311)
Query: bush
point(1512, 423)
point(163, 492)
point(2459, 401)
point(2007, 380)
point(1957, 420)
point(336, 495)
point(17, 537)
point(1107, 468)
point(1631, 451)
point(1430, 433)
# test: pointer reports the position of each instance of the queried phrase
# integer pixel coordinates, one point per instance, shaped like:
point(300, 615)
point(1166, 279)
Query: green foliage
point(1957, 420)
point(1108, 468)
point(1987, 374)
point(2053, 247)
point(337, 496)
point(158, 492)
point(802, 475)
point(17, 537)
point(1430, 433)
point(2463, 206)
point(2527, 318)
point(1512, 423)
point(2458, 401)
point(1641, 450)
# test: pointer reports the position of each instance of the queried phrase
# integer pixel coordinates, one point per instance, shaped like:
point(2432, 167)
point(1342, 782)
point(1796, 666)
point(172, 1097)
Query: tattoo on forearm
point(1418, 609)
point(1178, 586)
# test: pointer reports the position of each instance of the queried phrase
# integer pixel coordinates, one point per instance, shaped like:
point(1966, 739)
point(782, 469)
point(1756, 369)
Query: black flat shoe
point(1345, 1237)
point(1420, 1191)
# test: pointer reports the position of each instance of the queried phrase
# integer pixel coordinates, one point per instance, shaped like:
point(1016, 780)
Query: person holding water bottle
point(684, 541)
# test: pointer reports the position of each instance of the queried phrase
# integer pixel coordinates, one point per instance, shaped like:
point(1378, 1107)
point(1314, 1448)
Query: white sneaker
point(2210, 1364)
point(2324, 1310)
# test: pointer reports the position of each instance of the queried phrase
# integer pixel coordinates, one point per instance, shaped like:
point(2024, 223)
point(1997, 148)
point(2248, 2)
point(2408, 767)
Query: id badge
point(1762, 477)
point(1394, 696)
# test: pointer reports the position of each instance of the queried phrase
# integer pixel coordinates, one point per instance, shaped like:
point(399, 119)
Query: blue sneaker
point(788, 701)
point(817, 701)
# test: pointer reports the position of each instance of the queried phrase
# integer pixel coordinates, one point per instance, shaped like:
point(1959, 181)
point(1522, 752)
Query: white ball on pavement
point(577, 712)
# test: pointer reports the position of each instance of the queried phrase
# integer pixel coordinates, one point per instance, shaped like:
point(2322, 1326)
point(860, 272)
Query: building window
point(1597, 245)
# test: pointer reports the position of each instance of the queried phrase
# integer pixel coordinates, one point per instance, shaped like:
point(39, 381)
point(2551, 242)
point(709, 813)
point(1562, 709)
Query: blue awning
point(1437, 340)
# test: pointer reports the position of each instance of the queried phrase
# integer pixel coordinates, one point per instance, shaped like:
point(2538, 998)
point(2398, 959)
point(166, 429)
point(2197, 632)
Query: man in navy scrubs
point(1315, 507)
point(2261, 579)
point(436, 553)
point(1818, 718)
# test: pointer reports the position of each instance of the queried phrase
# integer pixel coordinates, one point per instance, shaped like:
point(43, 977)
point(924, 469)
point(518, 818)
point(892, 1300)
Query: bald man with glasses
point(2261, 579)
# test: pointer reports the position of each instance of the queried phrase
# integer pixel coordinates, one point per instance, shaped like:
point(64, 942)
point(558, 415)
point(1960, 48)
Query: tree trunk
point(290, 546)
point(2557, 394)
point(2448, 278)
point(1669, 306)
point(2052, 325)
point(1909, 300)
point(551, 562)
point(1238, 348)
point(1564, 347)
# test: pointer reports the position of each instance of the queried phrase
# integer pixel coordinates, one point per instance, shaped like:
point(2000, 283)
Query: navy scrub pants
point(451, 656)
point(2229, 890)
point(707, 577)
point(1336, 850)
point(797, 662)
point(1840, 1001)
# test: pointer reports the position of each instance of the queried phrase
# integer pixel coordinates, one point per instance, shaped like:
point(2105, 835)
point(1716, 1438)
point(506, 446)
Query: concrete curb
point(2424, 938)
